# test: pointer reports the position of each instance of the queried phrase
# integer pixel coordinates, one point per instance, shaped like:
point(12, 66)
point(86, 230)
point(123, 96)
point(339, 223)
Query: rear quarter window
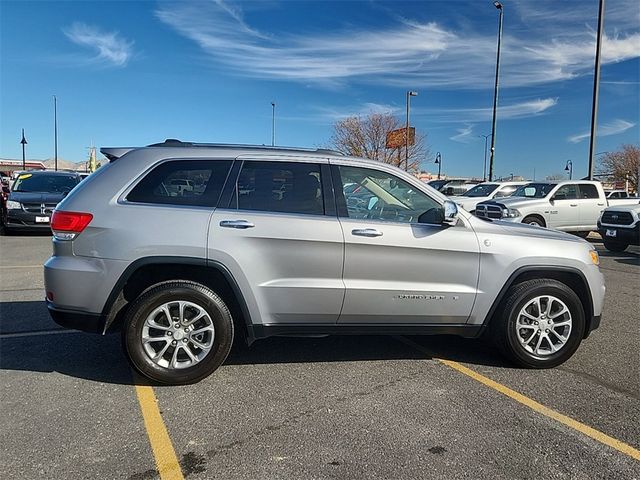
point(183, 182)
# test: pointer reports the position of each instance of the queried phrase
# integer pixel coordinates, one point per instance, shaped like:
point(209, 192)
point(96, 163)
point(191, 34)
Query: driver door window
point(379, 196)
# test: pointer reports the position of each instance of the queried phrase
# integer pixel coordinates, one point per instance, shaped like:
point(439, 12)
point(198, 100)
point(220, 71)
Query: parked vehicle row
point(297, 243)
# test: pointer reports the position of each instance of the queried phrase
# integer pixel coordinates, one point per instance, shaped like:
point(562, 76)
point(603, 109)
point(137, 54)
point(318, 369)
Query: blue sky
point(133, 73)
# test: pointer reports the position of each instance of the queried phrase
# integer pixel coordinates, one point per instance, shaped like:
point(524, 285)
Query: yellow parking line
point(538, 407)
point(165, 455)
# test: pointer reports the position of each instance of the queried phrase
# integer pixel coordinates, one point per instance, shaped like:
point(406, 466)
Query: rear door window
point(588, 190)
point(281, 187)
point(183, 182)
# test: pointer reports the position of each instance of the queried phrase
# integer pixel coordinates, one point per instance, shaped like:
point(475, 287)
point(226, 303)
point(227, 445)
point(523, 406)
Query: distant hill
point(64, 164)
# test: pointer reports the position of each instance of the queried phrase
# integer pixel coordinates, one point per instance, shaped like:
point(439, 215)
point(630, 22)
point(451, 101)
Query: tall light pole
point(406, 131)
point(569, 168)
point(23, 142)
point(273, 124)
point(484, 168)
point(596, 88)
point(55, 131)
point(499, 6)
point(439, 163)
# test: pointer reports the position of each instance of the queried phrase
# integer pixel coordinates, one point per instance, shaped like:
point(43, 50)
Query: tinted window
point(183, 182)
point(506, 191)
point(42, 182)
point(370, 194)
point(279, 187)
point(566, 192)
point(588, 190)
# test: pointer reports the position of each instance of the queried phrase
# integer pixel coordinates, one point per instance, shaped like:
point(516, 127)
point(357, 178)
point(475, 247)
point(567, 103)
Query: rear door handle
point(366, 232)
point(241, 224)
point(573, 205)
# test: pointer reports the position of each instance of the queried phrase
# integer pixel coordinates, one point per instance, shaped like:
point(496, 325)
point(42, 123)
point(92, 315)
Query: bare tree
point(622, 165)
point(366, 137)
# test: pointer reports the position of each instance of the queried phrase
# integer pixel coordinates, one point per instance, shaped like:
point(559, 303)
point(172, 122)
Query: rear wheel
point(178, 332)
point(615, 246)
point(542, 324)
point(531, 220)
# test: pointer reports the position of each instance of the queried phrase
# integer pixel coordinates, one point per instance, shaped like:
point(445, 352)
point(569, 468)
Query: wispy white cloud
point(407, 53)
point(109, 47)
point(511, 111)
point(464, 135)
point(612, 128)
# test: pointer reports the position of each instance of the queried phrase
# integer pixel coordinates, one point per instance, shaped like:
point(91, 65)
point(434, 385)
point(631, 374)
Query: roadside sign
point(396, 138)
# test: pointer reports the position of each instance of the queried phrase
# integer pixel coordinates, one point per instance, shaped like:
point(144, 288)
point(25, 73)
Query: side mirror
point(445, 215)
point(450, 213)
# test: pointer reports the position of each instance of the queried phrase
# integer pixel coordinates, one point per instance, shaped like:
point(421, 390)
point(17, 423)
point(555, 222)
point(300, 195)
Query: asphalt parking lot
point(335, 407)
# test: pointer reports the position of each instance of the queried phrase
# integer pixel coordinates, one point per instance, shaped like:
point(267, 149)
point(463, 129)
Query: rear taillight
point(67, 225)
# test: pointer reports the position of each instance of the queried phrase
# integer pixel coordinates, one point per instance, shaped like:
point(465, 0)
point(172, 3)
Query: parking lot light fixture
point(484, 167)
point(439, 163)
point(406, 131)
point(569, 168)
point(499, 6)
point(23, 142)
point(273, 124)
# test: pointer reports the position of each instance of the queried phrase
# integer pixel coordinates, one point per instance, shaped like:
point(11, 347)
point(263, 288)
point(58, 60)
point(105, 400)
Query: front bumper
point(21, 220)
point(628, 234)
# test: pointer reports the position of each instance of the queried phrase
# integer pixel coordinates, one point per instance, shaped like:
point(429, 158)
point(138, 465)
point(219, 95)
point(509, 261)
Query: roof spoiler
point(114, 153)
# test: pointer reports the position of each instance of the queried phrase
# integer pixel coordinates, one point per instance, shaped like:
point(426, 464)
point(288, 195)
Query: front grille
point(42, 208)
point(617, 218)
point(32, 207)
point(488, 210)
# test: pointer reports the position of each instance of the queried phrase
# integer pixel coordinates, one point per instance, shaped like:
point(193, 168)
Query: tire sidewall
point(533, 221)
point(572, 301)
point(149, 301)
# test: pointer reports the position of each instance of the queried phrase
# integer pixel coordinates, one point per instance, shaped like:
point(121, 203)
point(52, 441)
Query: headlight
point(510, 213)
point(13, 205)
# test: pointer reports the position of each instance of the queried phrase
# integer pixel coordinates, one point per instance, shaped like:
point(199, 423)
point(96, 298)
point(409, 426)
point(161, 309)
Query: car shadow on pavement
point(45, 348)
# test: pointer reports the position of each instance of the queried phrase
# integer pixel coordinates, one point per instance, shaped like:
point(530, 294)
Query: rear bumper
point(87, 322)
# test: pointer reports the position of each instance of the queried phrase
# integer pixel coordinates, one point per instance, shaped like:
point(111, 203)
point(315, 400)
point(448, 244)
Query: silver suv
point(275, 241)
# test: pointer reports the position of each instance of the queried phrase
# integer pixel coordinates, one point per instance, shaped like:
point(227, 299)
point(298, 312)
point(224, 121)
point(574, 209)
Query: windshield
point(482, 190)
point(29, 182)
point(534, 190)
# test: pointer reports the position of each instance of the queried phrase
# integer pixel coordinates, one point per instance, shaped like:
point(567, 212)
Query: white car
point(485, 191)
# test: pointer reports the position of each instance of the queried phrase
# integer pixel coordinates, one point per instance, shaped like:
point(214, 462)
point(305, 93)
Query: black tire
point(503, 325)
point(615, 246)
point(531, 220)
point(184, 290)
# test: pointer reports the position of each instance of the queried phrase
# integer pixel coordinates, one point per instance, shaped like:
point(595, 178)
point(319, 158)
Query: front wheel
point(542, 324)
point(178, 332)
point(615, 246)
point(531, 220)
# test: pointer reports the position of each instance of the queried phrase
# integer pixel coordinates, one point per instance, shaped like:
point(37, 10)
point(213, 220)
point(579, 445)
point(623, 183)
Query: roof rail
point(172, 142)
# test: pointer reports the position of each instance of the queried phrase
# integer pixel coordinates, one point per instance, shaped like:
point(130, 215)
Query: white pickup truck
point(570, 206)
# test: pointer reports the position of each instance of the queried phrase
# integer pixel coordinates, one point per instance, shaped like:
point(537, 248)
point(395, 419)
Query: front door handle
point(573, 205)
point(366, 232)
point(241, 224)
